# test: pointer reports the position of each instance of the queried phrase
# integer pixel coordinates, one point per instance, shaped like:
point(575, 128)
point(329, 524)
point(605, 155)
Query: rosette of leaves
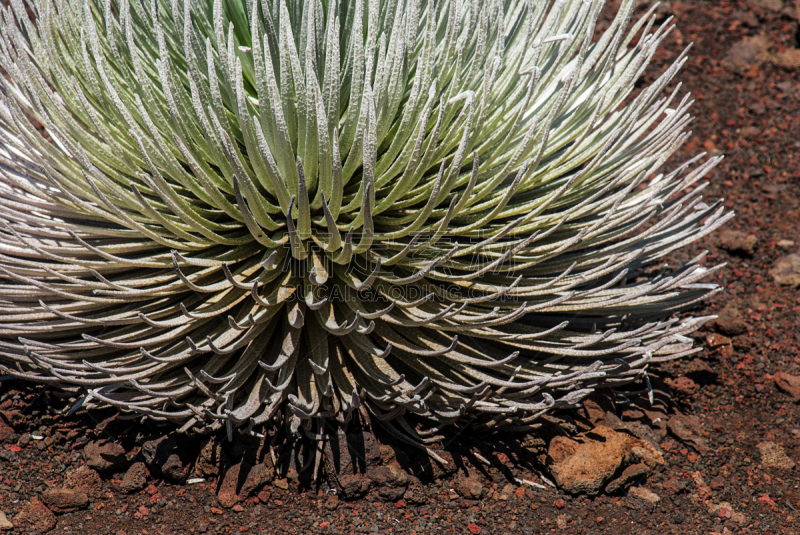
point(247, 211)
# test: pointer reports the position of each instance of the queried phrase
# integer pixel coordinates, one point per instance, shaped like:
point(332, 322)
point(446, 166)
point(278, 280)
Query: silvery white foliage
point(248, 211)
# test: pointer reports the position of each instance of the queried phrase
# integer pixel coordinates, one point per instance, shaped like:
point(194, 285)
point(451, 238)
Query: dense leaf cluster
point(248, 211)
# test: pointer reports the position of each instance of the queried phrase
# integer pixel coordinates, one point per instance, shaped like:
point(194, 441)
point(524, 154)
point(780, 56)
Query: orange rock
point(585, 465)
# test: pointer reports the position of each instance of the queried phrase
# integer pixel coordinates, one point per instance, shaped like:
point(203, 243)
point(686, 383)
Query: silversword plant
point(232, 212)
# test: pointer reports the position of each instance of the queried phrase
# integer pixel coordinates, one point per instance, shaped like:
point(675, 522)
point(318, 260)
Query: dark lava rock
point(347, 457)
point(163, 458)
point(35, 517)
point(353, 486)
point(104, 455)
point(296, 464)
point(242, 480)
point(13, 418)
point(595, 407)
point(135, 478)
point(430, 468)
point(212, 457)
point(632, 474)
point(391, 481)
point(65, 500)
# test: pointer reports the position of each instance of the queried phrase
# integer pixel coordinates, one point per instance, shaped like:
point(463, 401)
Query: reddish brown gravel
point(716, 453)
